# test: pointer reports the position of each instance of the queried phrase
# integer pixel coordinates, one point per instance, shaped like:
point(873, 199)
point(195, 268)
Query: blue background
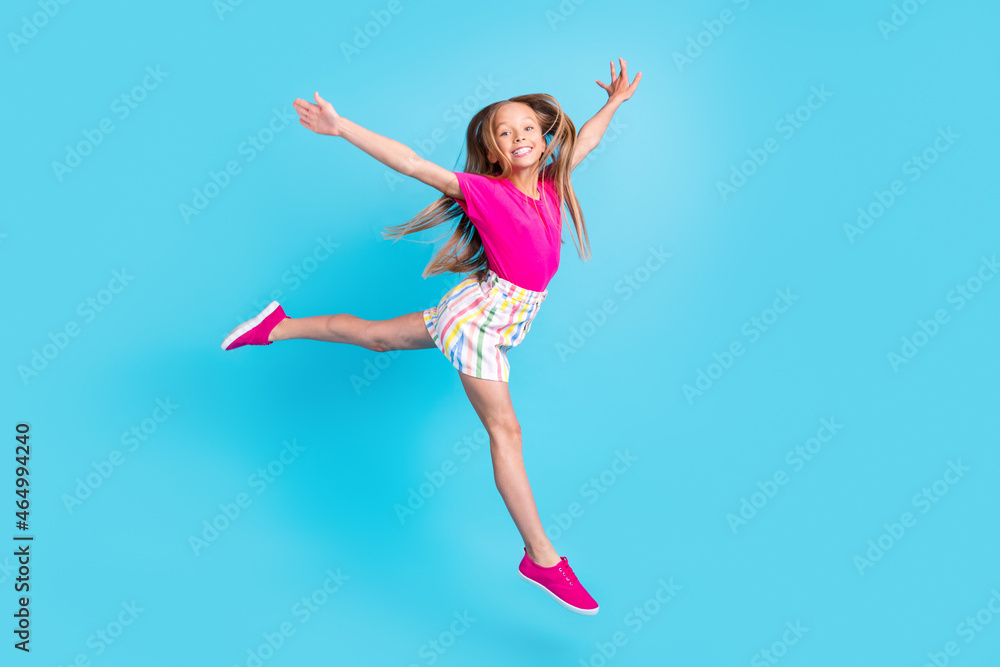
point(653, 183)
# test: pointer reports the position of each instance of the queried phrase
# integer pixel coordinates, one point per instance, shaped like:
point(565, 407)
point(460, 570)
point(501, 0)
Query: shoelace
point(568, 572)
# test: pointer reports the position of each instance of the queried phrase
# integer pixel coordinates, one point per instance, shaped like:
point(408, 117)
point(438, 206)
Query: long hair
point(463, 252)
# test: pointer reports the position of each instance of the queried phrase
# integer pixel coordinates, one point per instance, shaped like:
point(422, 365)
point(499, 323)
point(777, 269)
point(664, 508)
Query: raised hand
point(620, 90)
point(319, 117)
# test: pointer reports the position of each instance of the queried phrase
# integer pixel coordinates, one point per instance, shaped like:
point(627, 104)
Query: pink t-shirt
point(519, 246)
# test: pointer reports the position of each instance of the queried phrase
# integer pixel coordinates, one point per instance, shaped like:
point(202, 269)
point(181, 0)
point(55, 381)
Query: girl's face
point(517, 133)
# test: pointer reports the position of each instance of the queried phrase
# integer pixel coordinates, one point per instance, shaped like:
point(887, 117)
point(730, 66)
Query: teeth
point(522, 151)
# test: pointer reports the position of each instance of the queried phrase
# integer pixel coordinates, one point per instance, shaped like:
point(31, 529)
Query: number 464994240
point(22, 454)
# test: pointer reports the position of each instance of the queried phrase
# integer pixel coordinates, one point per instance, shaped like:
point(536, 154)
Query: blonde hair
point(463, 252)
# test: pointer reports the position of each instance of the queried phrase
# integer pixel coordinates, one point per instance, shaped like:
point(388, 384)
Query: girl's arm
point(593, 130)
point(321, 118)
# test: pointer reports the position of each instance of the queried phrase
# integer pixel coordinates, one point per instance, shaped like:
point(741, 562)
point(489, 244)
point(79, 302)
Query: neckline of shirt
point(541, 184)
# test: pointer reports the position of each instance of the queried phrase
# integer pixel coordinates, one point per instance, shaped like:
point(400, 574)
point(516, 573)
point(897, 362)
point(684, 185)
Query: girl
point(508, 238)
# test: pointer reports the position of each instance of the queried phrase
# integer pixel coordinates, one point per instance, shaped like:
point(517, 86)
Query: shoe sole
point(248, 325)
point(576, 610)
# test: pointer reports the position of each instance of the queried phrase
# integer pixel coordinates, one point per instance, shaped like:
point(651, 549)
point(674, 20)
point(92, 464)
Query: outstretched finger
point(601, 84)
point(613, 75)
point(624, 72)
point(302, 106)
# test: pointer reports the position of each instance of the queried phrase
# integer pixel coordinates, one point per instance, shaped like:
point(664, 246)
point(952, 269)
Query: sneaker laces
point(567, 572)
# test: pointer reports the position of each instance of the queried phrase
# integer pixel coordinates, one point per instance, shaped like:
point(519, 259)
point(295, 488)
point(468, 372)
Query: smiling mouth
point(521, 152)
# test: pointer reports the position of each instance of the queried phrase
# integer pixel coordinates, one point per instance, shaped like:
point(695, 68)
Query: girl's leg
point(491, 400)
point(406, 332)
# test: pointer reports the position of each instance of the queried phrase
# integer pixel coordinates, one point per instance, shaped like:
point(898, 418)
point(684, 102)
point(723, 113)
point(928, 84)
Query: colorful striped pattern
point(476, 323)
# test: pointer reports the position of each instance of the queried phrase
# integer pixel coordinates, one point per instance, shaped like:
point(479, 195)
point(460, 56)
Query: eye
point(527, 127)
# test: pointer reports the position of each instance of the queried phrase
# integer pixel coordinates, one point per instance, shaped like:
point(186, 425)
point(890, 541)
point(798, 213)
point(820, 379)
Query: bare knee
point(504, 433)
point(406, 332)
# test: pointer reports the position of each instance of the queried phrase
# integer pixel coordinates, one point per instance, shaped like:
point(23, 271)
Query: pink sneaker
point(560, 583)
point(255, 331)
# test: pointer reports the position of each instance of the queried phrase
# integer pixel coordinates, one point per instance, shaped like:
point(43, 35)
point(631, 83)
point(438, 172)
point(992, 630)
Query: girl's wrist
point(344, 126)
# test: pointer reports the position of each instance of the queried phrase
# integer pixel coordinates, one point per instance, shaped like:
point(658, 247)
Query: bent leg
point(491, 400)
point(406, 332)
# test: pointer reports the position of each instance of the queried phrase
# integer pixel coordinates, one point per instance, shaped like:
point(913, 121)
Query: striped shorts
point(476, 323)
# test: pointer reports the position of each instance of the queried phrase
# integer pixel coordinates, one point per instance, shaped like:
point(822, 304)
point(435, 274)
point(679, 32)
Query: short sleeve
point(477, 191)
